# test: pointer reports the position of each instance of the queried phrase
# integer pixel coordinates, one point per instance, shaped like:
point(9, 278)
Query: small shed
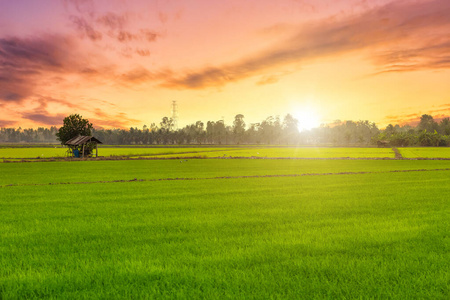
point(382, 144)
point(83, 140)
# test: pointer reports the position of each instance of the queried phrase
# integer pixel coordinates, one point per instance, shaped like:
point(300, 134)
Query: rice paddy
point(226, 228)
point(56, 151)
point(425, 152)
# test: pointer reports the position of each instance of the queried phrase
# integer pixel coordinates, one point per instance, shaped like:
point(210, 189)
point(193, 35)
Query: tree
point(290, 129)
point(444, 126)
point(427, 123)
point(74, 125)
point(238, 128)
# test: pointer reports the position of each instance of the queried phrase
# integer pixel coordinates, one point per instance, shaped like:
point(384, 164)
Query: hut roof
point(82, 139)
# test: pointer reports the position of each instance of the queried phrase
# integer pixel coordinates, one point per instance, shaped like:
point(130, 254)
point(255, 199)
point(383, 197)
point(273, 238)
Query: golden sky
point(122, 63)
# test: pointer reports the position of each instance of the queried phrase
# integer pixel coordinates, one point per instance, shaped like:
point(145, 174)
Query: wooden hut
point(382, 144)
point(83, 140)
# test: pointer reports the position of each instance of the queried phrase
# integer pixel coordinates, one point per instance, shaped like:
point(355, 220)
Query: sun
point(307, 119)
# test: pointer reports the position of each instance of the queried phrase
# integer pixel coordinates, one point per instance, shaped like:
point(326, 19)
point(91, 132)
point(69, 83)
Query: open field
point(222, 229)
point(236, 151)
point(57, 151)
point(297, 152)
point(96, 171)
point(425, 152)
point(186, 152)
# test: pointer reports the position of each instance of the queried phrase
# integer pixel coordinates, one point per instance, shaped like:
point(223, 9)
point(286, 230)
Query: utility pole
point(175, 115)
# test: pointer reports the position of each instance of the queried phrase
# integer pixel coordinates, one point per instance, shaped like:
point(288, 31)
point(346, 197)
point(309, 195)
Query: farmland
point(227, 228)
point(425, 152)
point(56, 151)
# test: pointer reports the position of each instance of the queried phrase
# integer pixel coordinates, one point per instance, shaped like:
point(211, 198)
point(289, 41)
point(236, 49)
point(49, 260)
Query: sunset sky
point(122, 63)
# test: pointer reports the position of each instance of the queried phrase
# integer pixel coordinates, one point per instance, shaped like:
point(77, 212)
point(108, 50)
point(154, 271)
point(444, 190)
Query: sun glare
point(307, 119)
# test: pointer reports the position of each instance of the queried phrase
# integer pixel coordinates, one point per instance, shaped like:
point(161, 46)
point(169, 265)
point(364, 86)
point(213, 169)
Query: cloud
point(47, 52)
point(431, 56)
point(44, 118)
point(112, 21)
point(109, 28)
point(44, 101)
point(268, 80)
point(144, 35)
point(149, 35)
point(143, 52)
point(7, 123)
point(414, 119)
point(13, 87)
point(85, 29)
point(141, 75)
point(271, 79)
point(40, 114)
point(137, 75)
point(80, 5)
point(400, 36)
point(29, 66)
point(112, 25)
point(24, 61)
point(104, 120)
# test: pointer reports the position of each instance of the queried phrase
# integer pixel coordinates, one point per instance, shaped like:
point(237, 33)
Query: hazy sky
point(121, 63)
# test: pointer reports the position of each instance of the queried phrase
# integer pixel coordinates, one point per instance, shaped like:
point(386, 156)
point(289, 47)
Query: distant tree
point(390, 129)
point(290, 129)
point(444, 126)
point(252, 133)
point(427, 123)
point(266, 130)
point(238, 128)
point(73, 126)
point(166, 124)
point(220, 131)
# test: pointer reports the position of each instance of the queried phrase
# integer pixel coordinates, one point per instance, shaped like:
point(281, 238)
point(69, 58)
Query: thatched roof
point(82, 139)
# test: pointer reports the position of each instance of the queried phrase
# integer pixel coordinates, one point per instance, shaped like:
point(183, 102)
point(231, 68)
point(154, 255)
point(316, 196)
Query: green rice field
point(425, 152)
point(226, 228)
point(296, 152)
point(207, 152)
point(221, 152)
point(60, 152)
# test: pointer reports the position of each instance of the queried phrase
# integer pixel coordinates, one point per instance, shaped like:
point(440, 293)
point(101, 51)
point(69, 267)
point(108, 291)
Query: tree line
point(271, 131)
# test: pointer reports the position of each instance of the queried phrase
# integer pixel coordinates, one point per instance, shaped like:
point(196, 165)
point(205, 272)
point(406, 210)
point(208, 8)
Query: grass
point(33, 152)
point(187, 152)
point(58, 151)
point(425, 152)
point(94, 171)
point(378, 235)
point(297, 152)
point(206, 151)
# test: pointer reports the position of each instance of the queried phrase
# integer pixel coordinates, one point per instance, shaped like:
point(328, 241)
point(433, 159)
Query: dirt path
point(398, 155)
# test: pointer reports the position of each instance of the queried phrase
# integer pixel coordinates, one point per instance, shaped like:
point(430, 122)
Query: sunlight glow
point(307, 119)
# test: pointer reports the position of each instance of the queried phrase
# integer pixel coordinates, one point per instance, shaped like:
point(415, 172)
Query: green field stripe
point(225, 177)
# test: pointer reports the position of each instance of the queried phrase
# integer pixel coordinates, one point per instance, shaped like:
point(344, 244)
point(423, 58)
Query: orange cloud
point(7, 123)
point(399, 29)
point(104, 120)
point(414, 119)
